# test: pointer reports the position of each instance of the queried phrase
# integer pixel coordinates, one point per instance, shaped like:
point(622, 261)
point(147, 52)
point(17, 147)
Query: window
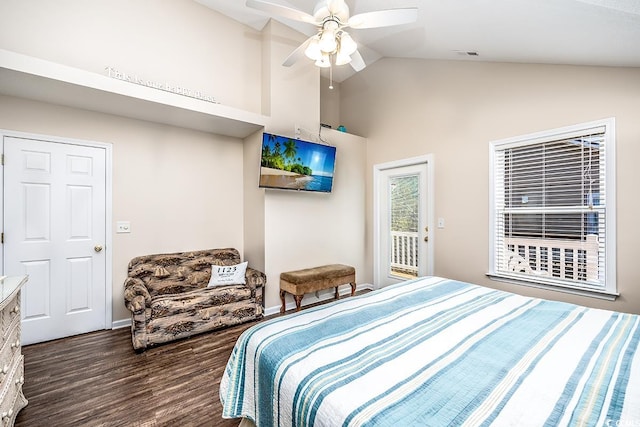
point(552, 208)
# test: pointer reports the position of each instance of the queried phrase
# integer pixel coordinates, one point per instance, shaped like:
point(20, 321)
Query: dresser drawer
point(10, 313)
point(11, 359)
point(12, 398)
point(10, 347)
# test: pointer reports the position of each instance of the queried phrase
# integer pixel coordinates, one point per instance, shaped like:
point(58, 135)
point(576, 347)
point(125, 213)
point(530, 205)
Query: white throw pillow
point(222, 275)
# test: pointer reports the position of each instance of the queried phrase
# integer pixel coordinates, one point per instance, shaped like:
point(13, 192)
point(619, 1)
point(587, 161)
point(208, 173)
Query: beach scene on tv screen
point(296, 165)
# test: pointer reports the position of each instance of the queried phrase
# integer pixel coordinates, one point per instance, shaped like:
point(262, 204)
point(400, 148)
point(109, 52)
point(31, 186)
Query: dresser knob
point(5, 369)
point(15, 344)
point(20, 381)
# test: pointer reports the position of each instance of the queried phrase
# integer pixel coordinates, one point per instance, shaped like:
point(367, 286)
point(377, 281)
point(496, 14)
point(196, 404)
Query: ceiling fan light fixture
point(324, 61)
point(332, 45)
point(328, 42)
point(342, 58)
point(347, 45)
point(313, 50)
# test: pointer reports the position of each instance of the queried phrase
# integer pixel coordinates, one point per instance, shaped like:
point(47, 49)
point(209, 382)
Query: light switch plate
point(440, 222)
point(123, 227)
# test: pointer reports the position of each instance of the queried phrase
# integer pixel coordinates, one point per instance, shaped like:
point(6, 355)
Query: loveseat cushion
point(195, 301)
point(176, 273)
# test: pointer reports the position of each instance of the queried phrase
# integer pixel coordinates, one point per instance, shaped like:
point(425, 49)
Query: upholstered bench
point(300, 282)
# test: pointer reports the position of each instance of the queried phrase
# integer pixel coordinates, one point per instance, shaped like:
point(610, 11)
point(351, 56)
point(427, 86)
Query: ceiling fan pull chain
point(330, 74)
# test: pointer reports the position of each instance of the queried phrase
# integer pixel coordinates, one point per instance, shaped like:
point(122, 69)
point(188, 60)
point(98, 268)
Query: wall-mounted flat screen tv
point(293, 164)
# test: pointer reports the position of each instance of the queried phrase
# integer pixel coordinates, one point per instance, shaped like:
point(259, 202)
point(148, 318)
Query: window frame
point(609, 290)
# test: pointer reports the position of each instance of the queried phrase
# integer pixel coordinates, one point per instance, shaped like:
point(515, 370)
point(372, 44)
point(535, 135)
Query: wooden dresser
point(11, 358)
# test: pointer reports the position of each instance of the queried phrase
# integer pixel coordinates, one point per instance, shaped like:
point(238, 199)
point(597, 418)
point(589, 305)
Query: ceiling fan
point(332, 45)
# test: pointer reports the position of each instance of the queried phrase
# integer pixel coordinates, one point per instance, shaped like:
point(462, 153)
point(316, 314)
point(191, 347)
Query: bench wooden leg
point(353, 288)
point(297, 298)
point(337, 294)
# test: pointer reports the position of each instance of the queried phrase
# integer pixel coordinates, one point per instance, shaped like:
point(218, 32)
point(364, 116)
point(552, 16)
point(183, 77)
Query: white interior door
point(402, 231)
point(54, 229)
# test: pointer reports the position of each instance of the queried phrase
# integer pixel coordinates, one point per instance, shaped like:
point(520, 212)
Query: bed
point(437, 352)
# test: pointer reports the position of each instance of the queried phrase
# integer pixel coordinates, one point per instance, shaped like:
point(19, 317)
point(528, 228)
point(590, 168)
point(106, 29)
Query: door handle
point(97, 248)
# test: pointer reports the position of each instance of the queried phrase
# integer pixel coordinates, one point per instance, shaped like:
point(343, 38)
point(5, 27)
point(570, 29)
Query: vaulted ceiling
point(578, 32)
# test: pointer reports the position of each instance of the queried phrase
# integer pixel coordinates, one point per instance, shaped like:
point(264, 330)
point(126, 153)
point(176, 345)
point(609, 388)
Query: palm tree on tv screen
point(290, 150)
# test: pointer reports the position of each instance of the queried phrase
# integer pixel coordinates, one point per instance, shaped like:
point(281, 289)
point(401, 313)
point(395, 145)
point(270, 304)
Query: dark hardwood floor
point(97, 379)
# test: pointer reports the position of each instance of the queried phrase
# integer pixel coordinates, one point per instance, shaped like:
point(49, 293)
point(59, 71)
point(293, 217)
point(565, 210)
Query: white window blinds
point(550, 208)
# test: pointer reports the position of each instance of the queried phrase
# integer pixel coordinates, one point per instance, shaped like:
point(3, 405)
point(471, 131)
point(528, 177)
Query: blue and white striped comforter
point(437, 352)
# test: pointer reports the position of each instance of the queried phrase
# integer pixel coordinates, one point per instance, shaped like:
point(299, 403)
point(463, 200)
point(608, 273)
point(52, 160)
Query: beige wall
point(302, 229)
point(179, 42)
point(167, 181)
point(254, 208)
point(309, 229)
point(407, 108)
point(329, 103)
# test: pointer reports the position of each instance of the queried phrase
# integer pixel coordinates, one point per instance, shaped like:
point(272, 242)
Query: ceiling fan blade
point(357, 63)
point(384, 18)
point(297, 54)
point(284, 11)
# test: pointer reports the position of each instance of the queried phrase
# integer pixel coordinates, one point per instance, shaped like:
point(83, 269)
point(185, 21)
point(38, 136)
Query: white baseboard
point(123, 323)
point(320, 296)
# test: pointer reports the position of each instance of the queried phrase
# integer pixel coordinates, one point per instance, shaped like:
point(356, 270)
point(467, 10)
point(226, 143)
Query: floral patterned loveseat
point(168, 296)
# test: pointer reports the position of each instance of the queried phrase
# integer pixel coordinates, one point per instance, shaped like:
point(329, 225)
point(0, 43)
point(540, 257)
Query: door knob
point(97, 248)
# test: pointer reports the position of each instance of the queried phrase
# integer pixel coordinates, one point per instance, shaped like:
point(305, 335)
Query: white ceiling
point(579, 32)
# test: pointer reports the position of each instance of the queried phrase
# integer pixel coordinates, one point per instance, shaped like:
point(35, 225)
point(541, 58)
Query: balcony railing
point(404, 253)
point(565, 259)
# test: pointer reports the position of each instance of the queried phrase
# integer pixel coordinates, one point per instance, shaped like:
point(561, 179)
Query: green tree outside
point(404, 204)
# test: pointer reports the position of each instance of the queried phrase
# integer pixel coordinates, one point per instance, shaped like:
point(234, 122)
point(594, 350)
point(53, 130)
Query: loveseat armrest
point(255, 279)
point(136, 295)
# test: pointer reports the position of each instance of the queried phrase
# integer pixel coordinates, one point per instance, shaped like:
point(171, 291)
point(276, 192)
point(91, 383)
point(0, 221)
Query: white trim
point(574, 291)
point(608, 127)
point(319, 297)
point(2, 134)
point(611, 229)
point(553, 135)
point(34, 78)
point(122, 323)
point(108, 204)
point(427, 160)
